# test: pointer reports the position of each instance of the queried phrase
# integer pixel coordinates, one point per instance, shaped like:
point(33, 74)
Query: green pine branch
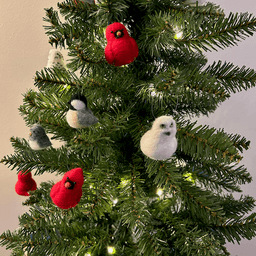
point(186, 16)
point(237, 207)
point(49, 79)
point(110, 11)
point(71, 10)
point(46, 160)
point(87, 56)
point(203, 202)
point(223, 33)
point(221, 171)
point(232, 77)
point(234, 230)
point(11, 240)
point(55, 29)
point(220, 176)
point(158, 34)
point(64, 33)
point(203, 143)
point(192, 241)
point(219, 184)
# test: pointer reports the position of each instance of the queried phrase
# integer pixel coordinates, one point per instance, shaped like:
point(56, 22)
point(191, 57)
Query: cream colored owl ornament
point(160, 142)
point(56, 60)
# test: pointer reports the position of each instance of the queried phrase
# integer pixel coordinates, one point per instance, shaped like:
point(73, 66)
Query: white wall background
point(24, 49)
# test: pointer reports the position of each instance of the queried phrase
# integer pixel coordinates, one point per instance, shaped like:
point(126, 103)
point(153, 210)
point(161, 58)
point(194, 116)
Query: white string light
point(159, 191)
point(111, 250)
point(179, 35)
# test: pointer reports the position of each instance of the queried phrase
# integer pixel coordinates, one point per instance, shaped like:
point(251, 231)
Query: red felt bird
point(121, 49)
point(25, 183)
point(68, 192)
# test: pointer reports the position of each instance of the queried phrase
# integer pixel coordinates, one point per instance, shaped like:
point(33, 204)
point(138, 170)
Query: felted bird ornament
point(121, 49)
point(56, 60)
point(25, 183)
point(38, 139)
point(160, 142)
point(68, 192)
point(78, 115)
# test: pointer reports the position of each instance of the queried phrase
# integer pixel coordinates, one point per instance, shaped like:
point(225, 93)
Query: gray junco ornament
point(78, 115)
point(160, 142)
point(38, 138)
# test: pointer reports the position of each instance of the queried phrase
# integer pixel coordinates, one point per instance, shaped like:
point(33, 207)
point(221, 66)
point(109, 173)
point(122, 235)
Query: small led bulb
point(111, 250)
point(178, 35)
point(189, 177)
point(159, 191)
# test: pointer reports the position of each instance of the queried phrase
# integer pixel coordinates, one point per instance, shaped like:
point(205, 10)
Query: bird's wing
point(86, 118)
point(109, 55)
point(44, 141)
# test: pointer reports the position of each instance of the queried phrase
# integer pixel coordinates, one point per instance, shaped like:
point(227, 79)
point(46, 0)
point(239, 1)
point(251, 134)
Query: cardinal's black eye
point(162, 126)
point(112, 32)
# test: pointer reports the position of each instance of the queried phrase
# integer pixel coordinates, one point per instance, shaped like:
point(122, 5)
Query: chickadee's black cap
point(79, 96)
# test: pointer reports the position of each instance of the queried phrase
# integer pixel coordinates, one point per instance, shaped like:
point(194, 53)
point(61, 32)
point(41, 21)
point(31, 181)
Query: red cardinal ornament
point(25, 183)
point(121, 49)
point(68, 192)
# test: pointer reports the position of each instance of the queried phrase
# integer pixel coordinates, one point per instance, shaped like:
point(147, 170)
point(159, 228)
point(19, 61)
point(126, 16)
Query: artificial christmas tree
point(132, 204)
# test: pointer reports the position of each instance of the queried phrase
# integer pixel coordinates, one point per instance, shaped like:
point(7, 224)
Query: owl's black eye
point(171, 125)
point(162, 126)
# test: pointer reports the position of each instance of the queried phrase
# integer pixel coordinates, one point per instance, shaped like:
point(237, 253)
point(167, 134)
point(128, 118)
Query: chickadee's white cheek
point(78, 104)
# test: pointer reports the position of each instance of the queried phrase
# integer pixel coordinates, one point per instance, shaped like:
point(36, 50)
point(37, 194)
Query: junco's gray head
point(38, 135)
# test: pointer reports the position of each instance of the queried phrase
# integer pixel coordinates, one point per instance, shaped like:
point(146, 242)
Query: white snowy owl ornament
point(160, 142)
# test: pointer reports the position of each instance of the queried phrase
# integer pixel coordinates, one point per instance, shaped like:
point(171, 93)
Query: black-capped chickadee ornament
point(160, 142)
point(78, 115)
point(37, 138)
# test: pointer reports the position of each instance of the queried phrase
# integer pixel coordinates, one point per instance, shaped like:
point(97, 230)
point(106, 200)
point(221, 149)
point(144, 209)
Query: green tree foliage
point(171, 76)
